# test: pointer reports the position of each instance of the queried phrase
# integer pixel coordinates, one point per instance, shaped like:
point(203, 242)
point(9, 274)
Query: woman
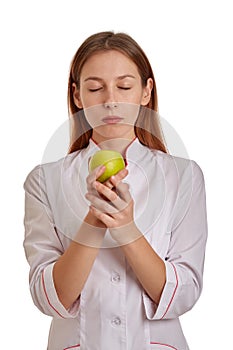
point(115, 264)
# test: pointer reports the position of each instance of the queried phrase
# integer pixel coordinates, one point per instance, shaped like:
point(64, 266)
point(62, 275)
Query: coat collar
point(134, 152)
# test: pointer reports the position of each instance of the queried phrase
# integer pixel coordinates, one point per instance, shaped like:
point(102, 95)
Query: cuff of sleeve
point(160, 311)
point(53, 303)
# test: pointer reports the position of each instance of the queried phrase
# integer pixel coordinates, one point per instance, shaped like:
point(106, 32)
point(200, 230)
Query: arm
point(72, 269)
point(185, 257)
point(147, 266)
point(43, 247)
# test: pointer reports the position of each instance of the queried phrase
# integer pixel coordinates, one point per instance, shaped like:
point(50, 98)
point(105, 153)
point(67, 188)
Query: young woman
point(115, 264)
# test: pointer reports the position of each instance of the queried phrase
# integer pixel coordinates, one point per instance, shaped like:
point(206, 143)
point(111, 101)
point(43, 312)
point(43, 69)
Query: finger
point(108, 184)
point(101, 204)
point(105, 218)
point(95, 174)
point(119, 176)
point(111, 196)
point(122, 189)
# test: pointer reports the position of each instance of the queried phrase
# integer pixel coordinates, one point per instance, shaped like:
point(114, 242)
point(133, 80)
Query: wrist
point(126, 234)
point(91, 232)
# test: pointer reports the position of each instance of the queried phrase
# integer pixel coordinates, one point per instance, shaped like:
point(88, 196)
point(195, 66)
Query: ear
point(76, 96)
point(147, 92)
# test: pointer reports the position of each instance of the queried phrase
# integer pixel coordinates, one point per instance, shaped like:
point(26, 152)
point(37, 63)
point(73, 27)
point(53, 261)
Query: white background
point(189, 44)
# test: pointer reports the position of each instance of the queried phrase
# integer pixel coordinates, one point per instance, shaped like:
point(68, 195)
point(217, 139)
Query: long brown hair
point(147, 127)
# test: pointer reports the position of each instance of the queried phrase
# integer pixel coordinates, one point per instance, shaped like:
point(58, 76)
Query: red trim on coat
point(72, 347)
point(125, 160)
point(43, 283)
point(169, 346)
point(173, 292)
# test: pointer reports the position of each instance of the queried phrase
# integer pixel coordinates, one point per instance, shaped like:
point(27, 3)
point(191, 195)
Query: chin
point(115, 131)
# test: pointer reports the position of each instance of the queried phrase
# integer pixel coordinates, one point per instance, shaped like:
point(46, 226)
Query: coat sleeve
point(42, 247)
point(185, 257)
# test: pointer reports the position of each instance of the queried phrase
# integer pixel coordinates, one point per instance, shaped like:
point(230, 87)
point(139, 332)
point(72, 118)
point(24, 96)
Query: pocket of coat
point(161, 346)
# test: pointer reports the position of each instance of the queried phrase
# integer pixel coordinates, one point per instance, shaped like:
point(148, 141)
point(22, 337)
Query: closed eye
point(124, 88)
point(96, 89)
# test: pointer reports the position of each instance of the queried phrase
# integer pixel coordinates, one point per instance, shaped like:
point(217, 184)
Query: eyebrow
point(121, 77)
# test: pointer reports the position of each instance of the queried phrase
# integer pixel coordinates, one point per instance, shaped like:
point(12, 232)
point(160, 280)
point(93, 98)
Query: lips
point(112, 119)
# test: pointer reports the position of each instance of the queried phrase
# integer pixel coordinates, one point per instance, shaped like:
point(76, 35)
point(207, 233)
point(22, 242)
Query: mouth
point(112, 119)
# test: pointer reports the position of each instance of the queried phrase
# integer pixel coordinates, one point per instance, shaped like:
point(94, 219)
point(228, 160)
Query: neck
point(115, 144)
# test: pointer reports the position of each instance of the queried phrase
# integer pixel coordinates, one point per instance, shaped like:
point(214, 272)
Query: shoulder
point(178, 166)
point(37, 176)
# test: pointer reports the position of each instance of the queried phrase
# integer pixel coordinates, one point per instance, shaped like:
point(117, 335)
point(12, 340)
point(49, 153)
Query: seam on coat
point(43, 283)
point(169, 346)
point(173, 292)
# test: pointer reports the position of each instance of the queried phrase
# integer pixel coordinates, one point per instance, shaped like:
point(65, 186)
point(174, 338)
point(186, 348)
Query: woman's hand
point(112, 204)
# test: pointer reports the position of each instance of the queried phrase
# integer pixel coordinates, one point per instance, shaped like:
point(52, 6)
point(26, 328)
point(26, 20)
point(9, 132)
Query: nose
point(110, 105)
point(109, 100)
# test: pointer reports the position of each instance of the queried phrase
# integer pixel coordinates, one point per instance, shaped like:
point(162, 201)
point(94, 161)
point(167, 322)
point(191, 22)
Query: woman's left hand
point(115, 208)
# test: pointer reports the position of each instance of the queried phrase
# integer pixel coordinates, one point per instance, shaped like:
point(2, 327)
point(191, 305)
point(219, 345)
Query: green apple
point(112, 160)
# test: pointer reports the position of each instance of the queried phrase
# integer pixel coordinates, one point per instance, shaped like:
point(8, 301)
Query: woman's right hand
point(94, 175)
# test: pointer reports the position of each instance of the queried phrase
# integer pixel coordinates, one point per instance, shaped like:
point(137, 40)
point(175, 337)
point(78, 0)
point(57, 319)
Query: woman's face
point(111, 93)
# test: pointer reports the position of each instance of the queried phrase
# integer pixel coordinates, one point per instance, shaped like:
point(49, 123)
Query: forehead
point(109, 63)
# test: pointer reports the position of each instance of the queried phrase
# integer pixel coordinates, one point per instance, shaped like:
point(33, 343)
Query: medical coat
point(113, 311)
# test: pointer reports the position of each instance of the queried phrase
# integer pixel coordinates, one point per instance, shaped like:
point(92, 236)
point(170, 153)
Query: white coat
point(113, 311)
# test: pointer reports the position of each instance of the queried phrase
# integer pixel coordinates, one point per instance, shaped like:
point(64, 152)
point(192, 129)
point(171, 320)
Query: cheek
point(134, 97)
point(129, 111)
point(94, 114)
point(89, 99)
